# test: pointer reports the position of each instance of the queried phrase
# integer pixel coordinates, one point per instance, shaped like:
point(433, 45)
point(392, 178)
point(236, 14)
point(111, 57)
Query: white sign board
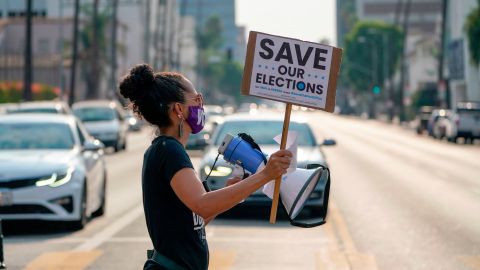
point(291, 71)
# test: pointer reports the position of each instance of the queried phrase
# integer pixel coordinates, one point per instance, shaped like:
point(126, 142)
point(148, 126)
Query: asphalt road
point(398, 201)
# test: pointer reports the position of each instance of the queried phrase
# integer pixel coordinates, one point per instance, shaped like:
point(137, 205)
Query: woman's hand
point(278, 164)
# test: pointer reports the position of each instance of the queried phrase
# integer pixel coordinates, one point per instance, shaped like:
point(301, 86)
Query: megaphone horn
point(302, 188)
point(306, 188)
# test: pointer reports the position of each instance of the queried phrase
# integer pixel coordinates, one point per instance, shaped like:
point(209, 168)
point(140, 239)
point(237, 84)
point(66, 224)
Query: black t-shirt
point(176, 231)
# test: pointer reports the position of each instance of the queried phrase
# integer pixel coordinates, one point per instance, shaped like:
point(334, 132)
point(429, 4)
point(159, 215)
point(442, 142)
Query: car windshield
point(33, 110)
point(35, 136)
point(94, 114)
point(263, 132)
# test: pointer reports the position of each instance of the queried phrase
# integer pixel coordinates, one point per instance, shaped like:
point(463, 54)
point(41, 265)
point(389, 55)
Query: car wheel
point(101, 210)
point(82, 221)
point(117, 146)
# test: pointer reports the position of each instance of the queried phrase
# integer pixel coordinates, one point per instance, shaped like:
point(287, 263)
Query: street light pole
point(401, 105)
point(113, 85)
point(71, 94)
point(27, 79)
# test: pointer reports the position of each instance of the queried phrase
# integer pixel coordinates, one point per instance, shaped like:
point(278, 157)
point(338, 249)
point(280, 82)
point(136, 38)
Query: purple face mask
point(196, 118)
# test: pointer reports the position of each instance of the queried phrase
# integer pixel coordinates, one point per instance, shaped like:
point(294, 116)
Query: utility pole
point(156, 38)
point(164, 49)
point(92, 90)
point(60, 67)
point(172, 35)
point(442, 83)
point(27, 76)
point(146, 48)
point(71, 94)
point(113, 46)
point(401, 104)
point(181, 33)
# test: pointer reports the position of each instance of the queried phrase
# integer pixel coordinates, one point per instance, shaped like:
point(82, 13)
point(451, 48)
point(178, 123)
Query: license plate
point(6, 198)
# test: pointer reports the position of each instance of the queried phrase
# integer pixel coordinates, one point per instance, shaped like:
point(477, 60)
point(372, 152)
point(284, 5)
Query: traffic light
point(376, 90)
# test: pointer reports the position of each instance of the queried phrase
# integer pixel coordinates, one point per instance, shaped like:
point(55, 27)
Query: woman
point(176, 205)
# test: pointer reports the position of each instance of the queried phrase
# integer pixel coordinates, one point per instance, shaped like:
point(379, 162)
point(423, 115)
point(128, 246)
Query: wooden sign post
point(291, 71)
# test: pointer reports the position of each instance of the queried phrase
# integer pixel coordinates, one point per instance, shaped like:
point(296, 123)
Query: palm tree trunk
point(71, 94)
point(93, 85)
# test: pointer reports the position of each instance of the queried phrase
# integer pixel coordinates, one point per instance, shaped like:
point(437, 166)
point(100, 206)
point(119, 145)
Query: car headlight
point(56, 179)
point(132, 121)
point(218, 171)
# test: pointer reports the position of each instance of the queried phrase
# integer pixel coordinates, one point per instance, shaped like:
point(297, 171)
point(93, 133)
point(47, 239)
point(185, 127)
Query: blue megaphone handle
point(242, 153)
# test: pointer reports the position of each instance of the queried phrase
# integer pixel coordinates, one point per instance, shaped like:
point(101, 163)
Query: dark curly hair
point(151, 93)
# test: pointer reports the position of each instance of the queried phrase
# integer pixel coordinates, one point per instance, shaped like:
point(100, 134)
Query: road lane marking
point(257, 239)
point(221, 260)
point(473, 262)
point(341, 229)
point(342, 253)
point(108, 232)
point(64, 260)
point(84, 254)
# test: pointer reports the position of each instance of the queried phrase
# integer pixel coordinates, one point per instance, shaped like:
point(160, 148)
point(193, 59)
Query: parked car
point(200, 140)
point(58, 107)
point(443, 124)
point(134, 123)
point(105, 120)
point(465, 122)
point(50, 169)
point(422, 118)
point(263, 128)
point(434, 116)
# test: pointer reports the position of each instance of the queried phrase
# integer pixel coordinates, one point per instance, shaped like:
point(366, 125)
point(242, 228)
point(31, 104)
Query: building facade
point(148, 31)
point(464, 76)
point(423, 39)
point(202, 10)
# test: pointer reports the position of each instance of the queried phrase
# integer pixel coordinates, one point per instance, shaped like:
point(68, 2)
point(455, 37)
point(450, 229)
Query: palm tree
point(472, 28)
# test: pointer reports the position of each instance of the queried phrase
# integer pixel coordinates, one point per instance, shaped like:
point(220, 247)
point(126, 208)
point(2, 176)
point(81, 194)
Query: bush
point(11, 92)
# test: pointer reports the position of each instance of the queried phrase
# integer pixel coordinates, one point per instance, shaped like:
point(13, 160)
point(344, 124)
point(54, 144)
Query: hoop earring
point(180, 128)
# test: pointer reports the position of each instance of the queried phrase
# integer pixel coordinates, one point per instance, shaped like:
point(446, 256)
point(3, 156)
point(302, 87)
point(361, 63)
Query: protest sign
point(291, 71)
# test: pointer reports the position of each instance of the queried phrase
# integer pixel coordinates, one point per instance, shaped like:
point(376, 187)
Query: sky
point(309, 20)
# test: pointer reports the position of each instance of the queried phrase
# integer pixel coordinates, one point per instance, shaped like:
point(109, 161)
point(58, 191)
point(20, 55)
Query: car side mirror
point(93, 145)
point(329, 142)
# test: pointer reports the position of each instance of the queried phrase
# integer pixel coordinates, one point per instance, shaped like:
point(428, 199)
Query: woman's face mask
point(196, 114)
point(196, 118)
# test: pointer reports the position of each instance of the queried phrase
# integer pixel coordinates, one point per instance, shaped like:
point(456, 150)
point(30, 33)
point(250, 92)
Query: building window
point(43, 46)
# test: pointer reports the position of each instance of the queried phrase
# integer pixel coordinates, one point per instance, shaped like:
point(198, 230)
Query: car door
point(95, 170)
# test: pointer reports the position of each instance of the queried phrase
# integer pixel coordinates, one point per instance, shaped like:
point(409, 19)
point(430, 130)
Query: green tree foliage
point(424, 97)
point(365, 48)
point(220, 75)
point(472, 28)
point(210, 37)
point(86, 37)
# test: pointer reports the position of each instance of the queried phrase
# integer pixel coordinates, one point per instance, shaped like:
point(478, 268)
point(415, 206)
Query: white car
point(53, 106)
point(50, 169)
point(465, 122)
point(104, 120)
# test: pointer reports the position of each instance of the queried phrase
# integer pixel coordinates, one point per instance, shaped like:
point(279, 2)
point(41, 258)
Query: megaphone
point(303, 187)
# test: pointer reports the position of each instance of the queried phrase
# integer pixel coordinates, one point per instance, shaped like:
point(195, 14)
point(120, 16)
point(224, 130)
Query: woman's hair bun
point(135, 84)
